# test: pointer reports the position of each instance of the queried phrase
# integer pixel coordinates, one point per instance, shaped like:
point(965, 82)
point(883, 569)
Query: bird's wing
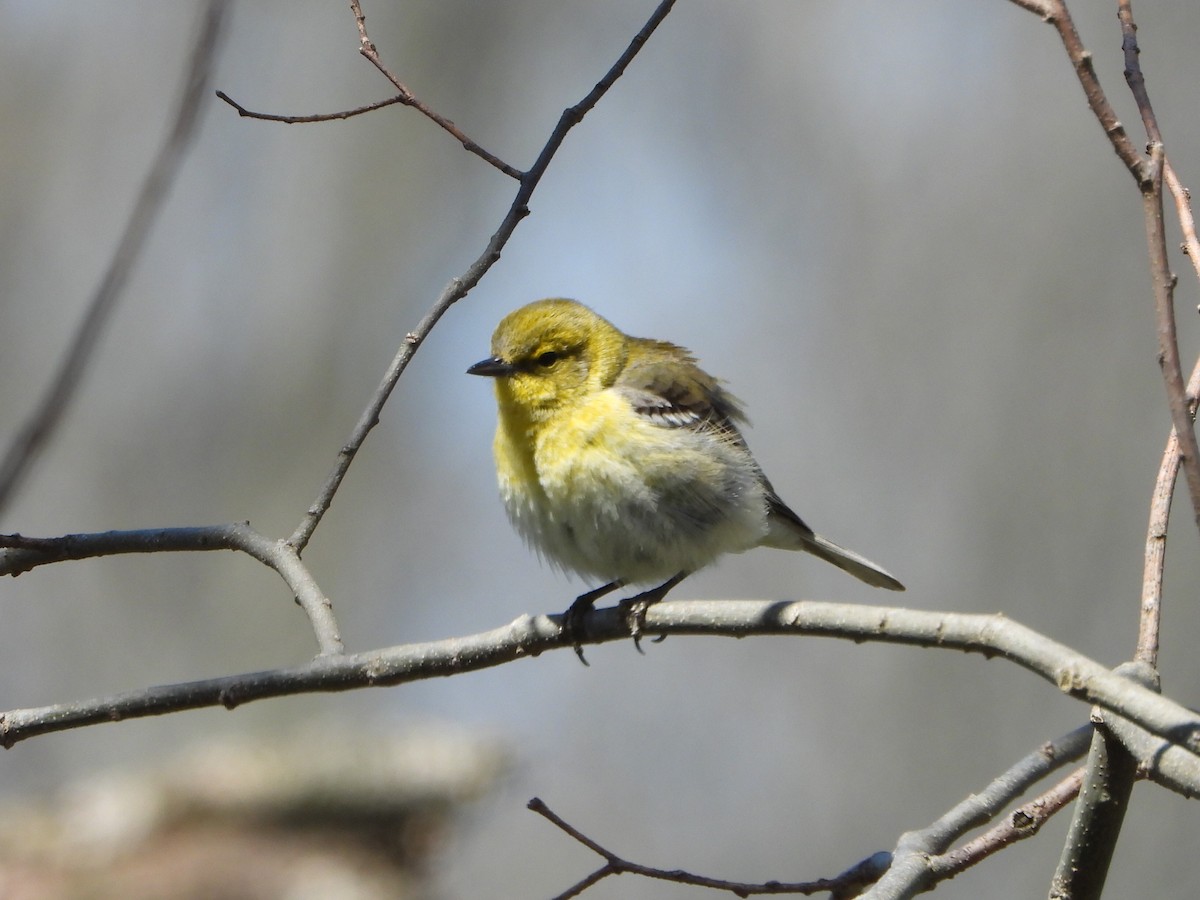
point(664, 384)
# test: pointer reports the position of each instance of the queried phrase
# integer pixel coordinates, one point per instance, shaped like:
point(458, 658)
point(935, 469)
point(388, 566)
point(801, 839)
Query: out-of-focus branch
point(920, 859)
point(991, 635)
point(460, 286)
point(19, 554)
point(40, 426)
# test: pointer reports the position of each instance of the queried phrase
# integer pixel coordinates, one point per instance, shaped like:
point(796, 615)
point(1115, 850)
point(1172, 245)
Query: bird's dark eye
point(547, 359)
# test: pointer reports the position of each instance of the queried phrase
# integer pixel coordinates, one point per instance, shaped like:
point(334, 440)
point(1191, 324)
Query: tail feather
point(849, 561)
point(787, 531)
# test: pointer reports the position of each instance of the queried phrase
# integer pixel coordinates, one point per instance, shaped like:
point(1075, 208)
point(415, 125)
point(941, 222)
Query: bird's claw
point(572, 626)
point(633, 611)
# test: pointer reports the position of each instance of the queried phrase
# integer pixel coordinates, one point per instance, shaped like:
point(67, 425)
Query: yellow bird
point(620, 459)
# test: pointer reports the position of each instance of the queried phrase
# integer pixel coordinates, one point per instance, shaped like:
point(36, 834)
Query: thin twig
point(1150, 619)
point(991, 635)
point(367, 48)
point(1164, 306)
point(42, 423)
point(1183, 208)
point(1161, 276)
point(1133, 71)
point(1055, 12)
point(460, 286)
point(1020, 824)
point(854, 878)
point(19, 554)
point(921, 859)
point(319, 117)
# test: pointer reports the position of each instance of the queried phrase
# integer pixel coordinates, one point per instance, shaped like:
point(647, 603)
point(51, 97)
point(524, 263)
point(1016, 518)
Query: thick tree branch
point(1104, 792)
point(991, 635)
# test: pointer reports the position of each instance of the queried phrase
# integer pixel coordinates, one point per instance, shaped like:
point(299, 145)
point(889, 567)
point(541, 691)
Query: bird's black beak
point(493, 367)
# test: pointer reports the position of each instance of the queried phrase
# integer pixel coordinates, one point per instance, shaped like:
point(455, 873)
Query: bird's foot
point(572, 626)
point(633, 610)
point(574, 618)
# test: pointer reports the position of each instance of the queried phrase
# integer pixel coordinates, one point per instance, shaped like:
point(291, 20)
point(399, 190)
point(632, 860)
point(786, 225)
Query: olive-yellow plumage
point(619, 458)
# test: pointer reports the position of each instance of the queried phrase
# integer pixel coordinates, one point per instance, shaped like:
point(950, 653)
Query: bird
point(619, 459)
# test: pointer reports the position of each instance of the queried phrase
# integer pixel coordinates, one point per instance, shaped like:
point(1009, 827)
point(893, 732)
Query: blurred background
point(895, 229)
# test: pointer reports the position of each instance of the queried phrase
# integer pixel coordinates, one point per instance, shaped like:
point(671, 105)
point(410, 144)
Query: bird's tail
point(847, 560)
point(787, 531)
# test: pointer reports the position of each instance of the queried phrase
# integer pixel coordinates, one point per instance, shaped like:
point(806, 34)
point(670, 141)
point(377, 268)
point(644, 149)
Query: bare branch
point(1150, 620)
point(1157, 760)
point(991, 635)
point(367, 48)
point(1023, 822)
point(319, 117)
point(40, 426)
point(1164, 306)
point(920, 861)
point(848, 884)
point(1148, 174)
point(1104, 794)
point(1056, 13)
point(462, 285)
point(1133, 71)
point(20, 554)
point(1183, 208)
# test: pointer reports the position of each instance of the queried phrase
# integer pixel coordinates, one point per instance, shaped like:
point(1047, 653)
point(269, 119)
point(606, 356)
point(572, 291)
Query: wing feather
point(664, 384)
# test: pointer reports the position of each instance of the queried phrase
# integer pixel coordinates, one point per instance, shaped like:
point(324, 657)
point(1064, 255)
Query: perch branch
point(991, 635)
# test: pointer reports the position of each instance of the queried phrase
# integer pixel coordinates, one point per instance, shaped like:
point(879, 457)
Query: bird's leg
point(572, 627)
point(634, 608)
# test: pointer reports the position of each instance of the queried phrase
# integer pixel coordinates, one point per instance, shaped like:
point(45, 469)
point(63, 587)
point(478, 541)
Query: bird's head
point(550, 355)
